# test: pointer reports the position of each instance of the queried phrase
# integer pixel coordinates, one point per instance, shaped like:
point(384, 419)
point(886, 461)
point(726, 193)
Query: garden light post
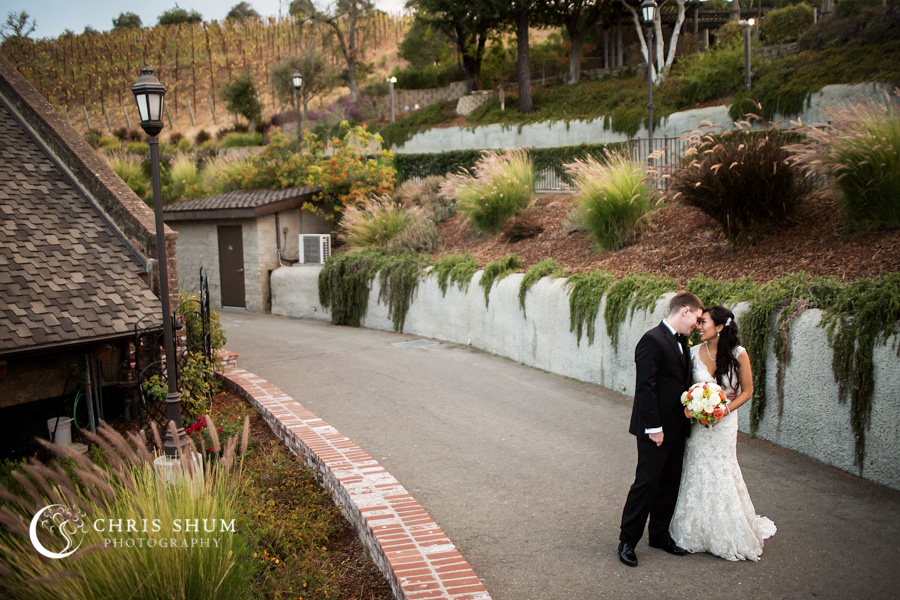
point(747, 25)
point(149, 93)
point(392, 81)
point(648, 12)
point(297, 80)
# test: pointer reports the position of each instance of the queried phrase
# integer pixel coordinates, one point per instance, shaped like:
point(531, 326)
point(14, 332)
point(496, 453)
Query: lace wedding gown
point(714, 513)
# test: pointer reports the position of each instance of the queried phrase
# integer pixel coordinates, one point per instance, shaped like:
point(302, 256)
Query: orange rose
point(687, 412)
point(718, 413)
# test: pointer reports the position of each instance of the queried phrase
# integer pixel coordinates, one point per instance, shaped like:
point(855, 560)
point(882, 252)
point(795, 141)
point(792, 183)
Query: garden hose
point(75, 410)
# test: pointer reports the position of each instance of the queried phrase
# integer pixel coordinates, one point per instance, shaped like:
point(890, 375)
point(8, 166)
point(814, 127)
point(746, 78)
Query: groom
point(663, 373)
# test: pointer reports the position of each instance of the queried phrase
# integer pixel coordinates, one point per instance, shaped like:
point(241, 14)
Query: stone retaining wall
point(810, 420)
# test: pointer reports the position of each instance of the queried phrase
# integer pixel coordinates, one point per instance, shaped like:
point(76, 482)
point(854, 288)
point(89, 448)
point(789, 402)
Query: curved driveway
point(527, 471)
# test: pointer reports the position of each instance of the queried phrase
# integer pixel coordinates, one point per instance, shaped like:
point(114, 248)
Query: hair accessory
point(728, 322)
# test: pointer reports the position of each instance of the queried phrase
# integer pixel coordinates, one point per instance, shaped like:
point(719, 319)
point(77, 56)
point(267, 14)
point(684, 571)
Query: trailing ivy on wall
point(635, 291)
point(455, 268)
point(497, 270)
point(546, 268)
point(856, 316)
point(399, 278)
point(344, 284)
point(864, 313)
point(585, 294)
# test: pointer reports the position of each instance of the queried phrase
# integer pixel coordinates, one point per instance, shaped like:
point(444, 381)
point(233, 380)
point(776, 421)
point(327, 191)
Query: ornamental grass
point(613, 198)
point(859, 153)
point(165, 551)
point(743, 180)
point(499, 187)
point(382, 224)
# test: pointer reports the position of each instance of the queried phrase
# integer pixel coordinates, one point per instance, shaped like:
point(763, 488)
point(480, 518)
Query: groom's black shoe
point(670, 546)
point(627, 555)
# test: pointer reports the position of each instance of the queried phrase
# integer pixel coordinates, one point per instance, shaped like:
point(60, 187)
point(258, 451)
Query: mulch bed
point(681, 242)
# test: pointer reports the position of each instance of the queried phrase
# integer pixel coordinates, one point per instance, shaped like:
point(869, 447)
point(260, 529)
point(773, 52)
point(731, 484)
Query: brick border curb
point(418, 559)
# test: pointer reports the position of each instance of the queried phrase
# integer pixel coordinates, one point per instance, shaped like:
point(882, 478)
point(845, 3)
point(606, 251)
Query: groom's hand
point(656, 437)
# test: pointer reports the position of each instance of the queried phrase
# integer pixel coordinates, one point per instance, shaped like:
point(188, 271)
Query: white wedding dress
point(714, 513)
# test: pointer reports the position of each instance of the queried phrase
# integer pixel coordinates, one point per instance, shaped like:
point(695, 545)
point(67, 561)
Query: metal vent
point(315, 249)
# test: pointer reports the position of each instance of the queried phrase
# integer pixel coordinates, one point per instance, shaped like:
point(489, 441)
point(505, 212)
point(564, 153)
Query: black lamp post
point(747, 25)
point(392, 81)
point(149, 94)
point(297, 80)
point(648, 12)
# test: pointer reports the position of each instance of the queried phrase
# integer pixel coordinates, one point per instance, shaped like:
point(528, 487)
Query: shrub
point(499, 187)
point(176, 137)
point(124, 484)
point(865, 19)
point(185, 176)
point(729, 34)
point(128, 168)
point(237, 139)
point(860, 150)
point(784, 25)
point(711, 74)
point(120, 132)
point(347, 177)
point(613, 198)
point(92, 137)
point(241, 98)
point(202, 137)
point(742, 180)
point(139, 148)
point(427, 194)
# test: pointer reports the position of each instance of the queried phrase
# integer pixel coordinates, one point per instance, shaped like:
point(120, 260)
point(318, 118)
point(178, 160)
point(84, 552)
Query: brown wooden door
point(231, 265)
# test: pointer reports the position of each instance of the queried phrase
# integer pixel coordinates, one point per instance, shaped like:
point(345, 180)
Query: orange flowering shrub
point(348, 177)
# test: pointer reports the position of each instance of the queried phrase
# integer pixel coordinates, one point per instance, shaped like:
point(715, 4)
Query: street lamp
point(747, 25)
point(392, 81)
point(297, 80)
point(648, 12)
point(149, 93)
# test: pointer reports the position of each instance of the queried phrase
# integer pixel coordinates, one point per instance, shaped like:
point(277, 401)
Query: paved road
point(527, 472)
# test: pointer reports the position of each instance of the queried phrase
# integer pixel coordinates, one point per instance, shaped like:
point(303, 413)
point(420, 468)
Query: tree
point(342, 16)
point(660, 63)
point(317, 76)
point(578, 17)
point(176, 16)
point(17, 26)
point(241, 98)
point(424, 44)
point(241, 11)
point(468, 24)
point(127, 20)
point(522, 13)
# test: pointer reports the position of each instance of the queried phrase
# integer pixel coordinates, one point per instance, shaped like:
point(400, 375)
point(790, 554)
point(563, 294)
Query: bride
point(714, 513)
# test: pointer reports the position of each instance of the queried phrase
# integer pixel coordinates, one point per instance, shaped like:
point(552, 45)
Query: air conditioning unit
point(314, 248)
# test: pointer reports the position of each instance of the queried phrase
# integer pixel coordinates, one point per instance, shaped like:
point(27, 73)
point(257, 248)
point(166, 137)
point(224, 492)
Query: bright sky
point(53, 16)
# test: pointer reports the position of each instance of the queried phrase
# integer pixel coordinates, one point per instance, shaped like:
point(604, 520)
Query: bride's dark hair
point(726, 363)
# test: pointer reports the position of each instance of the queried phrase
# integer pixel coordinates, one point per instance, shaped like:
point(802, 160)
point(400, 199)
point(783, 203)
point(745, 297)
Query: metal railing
point(662, 154)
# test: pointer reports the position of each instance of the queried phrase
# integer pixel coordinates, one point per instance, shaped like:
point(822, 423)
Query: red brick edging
point(418, 559)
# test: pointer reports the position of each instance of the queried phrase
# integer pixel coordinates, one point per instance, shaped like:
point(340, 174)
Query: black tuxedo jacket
point(663, 374)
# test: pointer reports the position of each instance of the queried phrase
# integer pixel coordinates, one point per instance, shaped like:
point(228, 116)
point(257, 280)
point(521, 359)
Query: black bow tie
point(680, 337)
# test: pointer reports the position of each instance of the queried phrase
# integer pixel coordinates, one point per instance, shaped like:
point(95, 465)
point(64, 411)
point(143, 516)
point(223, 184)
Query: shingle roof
point(240, 199)
point(65, 276)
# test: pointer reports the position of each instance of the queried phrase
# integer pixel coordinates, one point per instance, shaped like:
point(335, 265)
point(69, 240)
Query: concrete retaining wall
point(812, 420)
point(552, 134)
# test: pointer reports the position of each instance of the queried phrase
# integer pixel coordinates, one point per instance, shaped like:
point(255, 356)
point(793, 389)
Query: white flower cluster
point(703, 397)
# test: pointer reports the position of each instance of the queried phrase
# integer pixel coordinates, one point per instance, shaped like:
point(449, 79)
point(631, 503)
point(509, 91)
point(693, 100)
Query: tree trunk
point(577, 38)
point(471, 65)
point(523, 64)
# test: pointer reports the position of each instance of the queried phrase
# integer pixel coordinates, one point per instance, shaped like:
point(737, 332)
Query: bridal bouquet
point(704, 403)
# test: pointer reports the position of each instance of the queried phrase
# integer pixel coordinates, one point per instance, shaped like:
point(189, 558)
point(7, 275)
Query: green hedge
point(420, 166)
